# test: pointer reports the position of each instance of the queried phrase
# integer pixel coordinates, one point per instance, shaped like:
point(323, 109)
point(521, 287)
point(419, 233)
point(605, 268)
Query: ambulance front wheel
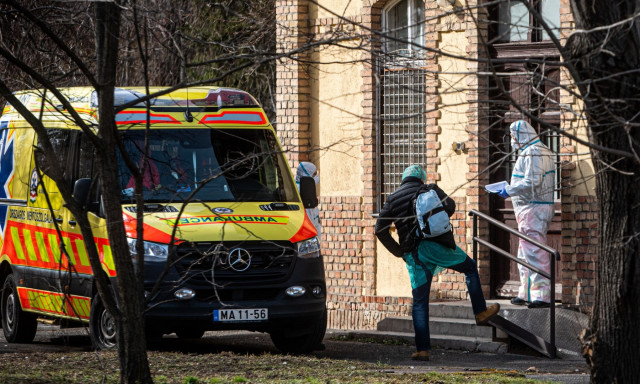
point(310, 340)
point(102, 326)
point(18, 326)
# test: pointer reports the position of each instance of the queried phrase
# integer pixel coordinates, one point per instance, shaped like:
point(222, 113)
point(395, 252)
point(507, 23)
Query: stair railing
point(551, 276)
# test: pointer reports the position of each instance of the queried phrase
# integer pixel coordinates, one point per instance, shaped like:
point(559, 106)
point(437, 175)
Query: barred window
point(401, 95)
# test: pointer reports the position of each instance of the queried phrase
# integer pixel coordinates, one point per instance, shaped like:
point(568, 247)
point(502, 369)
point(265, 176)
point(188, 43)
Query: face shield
point(522, 133)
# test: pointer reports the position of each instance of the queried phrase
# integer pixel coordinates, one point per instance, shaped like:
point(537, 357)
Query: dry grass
point(223, 367)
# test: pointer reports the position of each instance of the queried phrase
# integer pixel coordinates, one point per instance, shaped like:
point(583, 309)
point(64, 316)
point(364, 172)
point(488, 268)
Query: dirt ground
point(388, 355)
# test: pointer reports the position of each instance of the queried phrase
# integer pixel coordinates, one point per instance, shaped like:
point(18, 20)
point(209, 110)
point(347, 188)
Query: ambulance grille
point(207, 263)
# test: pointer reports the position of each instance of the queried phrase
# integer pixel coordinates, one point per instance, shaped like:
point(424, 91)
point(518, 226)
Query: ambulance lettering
point(222, 219)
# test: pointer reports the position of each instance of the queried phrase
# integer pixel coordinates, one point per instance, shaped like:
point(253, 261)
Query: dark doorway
point(525, 86)
point(505, 279)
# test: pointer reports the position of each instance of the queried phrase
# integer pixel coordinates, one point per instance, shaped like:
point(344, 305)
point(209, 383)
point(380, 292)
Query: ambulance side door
point(69, 272)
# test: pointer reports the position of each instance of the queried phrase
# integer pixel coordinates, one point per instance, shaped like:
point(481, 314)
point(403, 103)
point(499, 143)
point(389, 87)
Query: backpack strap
point(436, 210)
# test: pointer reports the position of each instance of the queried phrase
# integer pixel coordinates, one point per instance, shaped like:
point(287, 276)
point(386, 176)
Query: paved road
point(51, 339)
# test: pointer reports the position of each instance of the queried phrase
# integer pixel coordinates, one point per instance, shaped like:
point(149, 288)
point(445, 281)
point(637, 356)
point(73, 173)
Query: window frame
point(411, 26)
point(535, 31)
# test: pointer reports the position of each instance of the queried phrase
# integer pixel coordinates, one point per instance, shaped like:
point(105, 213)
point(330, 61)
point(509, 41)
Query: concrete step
point(438, 326)
point(463, 343)
point(452, 326)
point(456, 320)
point(459, 327)
point(400, 324)
point(455, 309)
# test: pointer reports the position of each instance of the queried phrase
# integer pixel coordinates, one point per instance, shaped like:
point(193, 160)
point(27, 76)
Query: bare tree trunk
point(610, 57)
point(134, 364)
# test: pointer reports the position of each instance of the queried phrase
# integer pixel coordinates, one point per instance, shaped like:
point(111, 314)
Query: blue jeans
point(420, 309)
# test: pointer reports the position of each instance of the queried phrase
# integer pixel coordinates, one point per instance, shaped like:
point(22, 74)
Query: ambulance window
point(63, 143)
point(86, 166)
point(207, 165)
point(253, 165)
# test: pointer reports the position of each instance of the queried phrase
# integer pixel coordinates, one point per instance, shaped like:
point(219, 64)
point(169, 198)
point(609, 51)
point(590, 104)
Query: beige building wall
point(336, 125)
point(334, 8)
point(582, 176)
point(453, 112)
point(336, 122)
point(392, 278)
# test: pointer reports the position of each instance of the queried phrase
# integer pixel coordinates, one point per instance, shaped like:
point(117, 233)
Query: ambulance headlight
point(152, 251)
point(309, 249)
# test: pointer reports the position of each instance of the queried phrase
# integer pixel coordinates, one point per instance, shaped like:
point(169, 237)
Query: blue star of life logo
point(6, 171)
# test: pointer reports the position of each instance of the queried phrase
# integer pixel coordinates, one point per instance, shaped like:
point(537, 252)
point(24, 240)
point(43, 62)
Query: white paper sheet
point(496, 187)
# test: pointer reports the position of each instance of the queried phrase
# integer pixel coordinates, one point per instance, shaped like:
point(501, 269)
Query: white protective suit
point(531, 191)
point(310, 170)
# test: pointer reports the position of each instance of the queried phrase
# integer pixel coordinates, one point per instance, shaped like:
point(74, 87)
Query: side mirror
point(308, 192)
point(82, 193)
point(81, 190)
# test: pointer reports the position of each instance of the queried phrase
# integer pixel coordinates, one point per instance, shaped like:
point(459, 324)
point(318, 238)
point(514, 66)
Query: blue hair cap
point(415, 171)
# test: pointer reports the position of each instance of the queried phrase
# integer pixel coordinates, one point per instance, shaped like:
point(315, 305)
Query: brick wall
point(579, 212)
point(431, 89)
point(579, 241)
point(348, 304)
point(371, 19)
point(579, 252)
point(292, 83)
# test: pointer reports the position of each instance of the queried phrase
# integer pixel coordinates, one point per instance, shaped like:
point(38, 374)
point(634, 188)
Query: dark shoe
point(420, 355)
point(483, 317)
point(518, 301)
point(538, 304)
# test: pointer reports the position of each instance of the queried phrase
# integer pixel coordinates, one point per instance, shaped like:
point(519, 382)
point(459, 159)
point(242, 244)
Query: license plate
point(240, 315)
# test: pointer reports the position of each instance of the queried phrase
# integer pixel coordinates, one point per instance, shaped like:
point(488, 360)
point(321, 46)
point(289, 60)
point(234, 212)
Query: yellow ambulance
point(222, 214)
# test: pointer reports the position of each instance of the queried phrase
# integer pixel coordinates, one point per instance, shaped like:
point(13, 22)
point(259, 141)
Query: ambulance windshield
point(208, 165)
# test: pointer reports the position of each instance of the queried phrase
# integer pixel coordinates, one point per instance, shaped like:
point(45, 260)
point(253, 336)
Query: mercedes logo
point(221, 210)
point(239, 259)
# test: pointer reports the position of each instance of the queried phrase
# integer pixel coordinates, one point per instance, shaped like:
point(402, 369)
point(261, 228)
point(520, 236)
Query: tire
point(306, 343)
point(187, 333)
point(18, 326)
point(102, 326)
point(154, 337)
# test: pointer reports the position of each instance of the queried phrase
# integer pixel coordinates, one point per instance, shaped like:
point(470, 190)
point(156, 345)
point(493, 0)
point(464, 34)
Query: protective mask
point(514, 144)
point(316, 178)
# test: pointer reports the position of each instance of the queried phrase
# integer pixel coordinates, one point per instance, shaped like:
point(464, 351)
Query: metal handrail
point(551, 276)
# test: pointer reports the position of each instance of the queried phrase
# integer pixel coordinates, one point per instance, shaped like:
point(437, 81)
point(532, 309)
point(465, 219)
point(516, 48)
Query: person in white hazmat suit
point(310, 170)
point(531, 191)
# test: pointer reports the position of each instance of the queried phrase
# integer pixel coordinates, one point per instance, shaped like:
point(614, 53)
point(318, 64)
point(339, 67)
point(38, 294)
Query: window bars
point(400, 129)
